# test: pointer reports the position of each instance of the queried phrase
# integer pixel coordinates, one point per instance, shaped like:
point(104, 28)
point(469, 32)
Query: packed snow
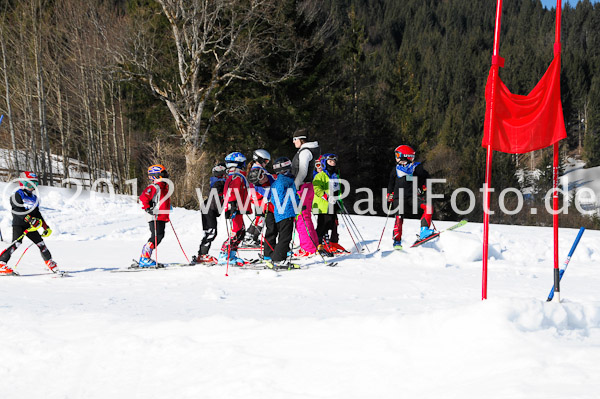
point(392, 324)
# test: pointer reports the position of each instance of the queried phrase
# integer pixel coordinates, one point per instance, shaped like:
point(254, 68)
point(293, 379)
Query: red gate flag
point(525, 123)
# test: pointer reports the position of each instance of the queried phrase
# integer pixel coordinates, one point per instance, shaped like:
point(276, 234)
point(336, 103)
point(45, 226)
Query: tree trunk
point(9, 110)
point(193, 160)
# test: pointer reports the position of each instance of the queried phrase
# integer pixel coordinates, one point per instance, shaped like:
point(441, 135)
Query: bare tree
point(11, 126)
point(216, 43)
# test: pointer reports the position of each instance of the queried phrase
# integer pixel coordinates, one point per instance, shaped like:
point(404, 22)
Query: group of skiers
point(300, 183)
point(308, 183)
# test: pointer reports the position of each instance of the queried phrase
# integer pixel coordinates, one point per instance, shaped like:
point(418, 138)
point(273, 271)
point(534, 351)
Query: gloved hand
point(34, 223)
point(47, 232)
point(390, 197)
point(231, 211)
point(149, 210)
point(337, 208)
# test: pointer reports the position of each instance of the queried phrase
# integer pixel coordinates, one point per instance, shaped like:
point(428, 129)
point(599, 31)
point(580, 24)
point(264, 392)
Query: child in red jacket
point(156, 201)
point(235, 199)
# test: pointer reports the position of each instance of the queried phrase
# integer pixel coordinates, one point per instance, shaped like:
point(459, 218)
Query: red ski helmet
point(157, 172)
point(404, 152)
point(29, 180)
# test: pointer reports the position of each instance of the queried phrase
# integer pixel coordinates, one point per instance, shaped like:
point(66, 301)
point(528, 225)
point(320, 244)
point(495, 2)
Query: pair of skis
point(437, 233)
point(57, 274)
point(135, 266)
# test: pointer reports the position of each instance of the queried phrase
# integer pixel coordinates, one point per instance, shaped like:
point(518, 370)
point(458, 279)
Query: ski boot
point(203, 259)
point(251, 239)
point(145, 258)
point(398, 245)
point(5, 270)
point(147, 262)
point(322, 248)
point(303, 254)
point(425, 232)
point(52, 266)
point(232, 260)
point(334, 247)
point(285, 265)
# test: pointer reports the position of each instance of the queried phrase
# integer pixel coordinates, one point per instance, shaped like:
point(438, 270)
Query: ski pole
point(291, 246)
point(357, 231)
point(384, 225)
point(23, 254)
point(229, 232)
point(179, 242)
point(566, 264)
point(348, 223)
point(155, 240)
point(27, 231)
point(349, 232)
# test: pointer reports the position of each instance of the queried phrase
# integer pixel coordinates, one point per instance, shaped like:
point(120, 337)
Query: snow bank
point(385, 325)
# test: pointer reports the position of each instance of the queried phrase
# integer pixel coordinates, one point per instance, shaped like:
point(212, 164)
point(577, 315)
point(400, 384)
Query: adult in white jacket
point(303, 166)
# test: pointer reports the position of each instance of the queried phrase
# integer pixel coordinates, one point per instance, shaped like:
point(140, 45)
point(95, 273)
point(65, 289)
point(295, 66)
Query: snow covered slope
point(390, 325)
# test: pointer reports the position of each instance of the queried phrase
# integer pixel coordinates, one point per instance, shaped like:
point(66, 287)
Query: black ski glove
point(232, 210)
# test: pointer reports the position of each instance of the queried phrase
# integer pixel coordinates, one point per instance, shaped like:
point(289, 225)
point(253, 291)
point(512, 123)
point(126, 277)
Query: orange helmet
point(157, 172)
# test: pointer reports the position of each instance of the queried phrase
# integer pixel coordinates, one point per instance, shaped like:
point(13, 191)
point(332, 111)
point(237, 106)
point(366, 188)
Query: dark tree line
point(364, 75)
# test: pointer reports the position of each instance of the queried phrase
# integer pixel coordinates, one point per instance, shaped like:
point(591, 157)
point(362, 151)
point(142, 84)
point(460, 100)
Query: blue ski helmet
point(235, 160)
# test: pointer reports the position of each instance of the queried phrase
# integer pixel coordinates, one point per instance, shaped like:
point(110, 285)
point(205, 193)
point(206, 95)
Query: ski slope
point(390, 325)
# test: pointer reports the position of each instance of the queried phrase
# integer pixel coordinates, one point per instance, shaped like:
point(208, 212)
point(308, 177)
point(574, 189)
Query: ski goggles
point(329, 157)
point(259, 173)
point(30, 183)
point(158, 175)
point(400, 157)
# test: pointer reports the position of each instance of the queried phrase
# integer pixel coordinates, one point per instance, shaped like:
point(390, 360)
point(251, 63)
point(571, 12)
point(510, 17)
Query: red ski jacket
point(157, 194)
point(236, 183)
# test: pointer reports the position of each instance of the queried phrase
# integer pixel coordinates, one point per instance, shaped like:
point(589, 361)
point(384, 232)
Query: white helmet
point(261, 156)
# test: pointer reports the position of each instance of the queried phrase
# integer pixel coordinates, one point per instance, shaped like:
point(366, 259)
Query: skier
point(260, 179)
point(156, 202)
point(209, 217)
point(280, 222)
point(326, 220)
point(27, 218)
point(407, 184)
point(318, 168)
point(303, 166)
point(235, 194)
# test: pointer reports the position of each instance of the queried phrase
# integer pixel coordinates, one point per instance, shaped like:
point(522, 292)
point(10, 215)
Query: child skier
point(280, 222)
point(326, 220)
point(318, 168)
point(260, 179)
point(27, 219)
point(156, 202)
point(209, 217)
point(235, 194)
point(407, 182)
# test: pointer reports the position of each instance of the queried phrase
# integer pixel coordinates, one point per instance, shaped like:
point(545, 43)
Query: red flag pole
point(497, 62)
point(555, 168)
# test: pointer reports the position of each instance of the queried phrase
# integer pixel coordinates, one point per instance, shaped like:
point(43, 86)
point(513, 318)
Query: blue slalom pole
point(566, 264)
